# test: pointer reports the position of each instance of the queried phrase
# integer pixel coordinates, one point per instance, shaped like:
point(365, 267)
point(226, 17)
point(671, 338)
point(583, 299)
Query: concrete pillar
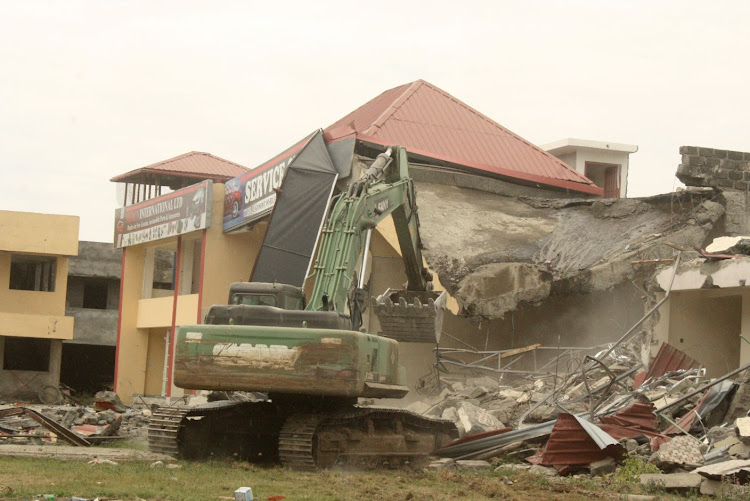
point(745, 329)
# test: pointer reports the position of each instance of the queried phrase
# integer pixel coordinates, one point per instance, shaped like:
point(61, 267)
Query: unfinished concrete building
point(93, 297)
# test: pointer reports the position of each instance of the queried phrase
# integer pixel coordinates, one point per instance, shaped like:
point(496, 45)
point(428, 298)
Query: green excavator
point(310, 361)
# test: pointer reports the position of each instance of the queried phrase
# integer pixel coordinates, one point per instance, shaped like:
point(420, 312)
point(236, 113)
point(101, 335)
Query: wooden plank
point(518, 351)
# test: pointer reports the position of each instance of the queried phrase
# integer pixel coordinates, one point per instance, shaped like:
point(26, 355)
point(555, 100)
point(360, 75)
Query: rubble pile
point(77, 424)
point(694, 430)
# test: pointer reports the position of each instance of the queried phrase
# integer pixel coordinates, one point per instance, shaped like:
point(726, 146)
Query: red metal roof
point(430, 122)
point(668, 359)
point(193, 164)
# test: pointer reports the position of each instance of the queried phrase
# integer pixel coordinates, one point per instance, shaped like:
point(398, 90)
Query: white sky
point(92, 89)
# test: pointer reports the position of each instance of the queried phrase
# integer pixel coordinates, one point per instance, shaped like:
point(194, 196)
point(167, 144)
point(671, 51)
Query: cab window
point(254, 299)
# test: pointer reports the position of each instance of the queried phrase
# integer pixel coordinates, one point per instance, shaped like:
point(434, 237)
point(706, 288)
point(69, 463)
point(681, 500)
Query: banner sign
point(176, 213)
point(252, 195)
point(294, 228)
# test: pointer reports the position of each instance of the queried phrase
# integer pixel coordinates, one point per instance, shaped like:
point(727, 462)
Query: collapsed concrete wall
point(724, 169)
point(495, 254)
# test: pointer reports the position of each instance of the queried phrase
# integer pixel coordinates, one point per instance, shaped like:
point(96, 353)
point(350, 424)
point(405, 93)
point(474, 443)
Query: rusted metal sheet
point(668, 359)
point(430, 122)
point(576, 442)
point(48, 423)
point(637, 419)
point(707, 403)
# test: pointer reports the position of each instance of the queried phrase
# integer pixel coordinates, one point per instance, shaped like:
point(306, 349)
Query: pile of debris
point(608, 410)
point(73, 423)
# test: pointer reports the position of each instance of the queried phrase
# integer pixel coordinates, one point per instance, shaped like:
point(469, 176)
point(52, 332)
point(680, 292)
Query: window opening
point(95, 295)
point(26, 354)
point(32, 273)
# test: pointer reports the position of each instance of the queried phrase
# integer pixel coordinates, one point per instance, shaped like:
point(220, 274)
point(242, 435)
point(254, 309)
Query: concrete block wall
point(725, 169)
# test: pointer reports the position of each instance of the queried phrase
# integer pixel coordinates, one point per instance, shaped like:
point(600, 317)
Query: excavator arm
point(385, 189)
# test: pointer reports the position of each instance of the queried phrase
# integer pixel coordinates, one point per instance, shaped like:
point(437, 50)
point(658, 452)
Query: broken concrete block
point(418, 407)
point(739, 451)
point(680, 451)
point(473, 464)
point(441, 464)
point(717, 488)
point(514, 467)
point(509, 394)
point(156, 464)
point(109, 400)
point(473, 392)
point(743, 428)
point(450, 414)
point(476, 420)
point(718, 433)
point(546, 471)
point(602, 467)
point(672, 481)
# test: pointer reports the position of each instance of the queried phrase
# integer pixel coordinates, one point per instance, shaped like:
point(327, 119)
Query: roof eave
point(591, 189)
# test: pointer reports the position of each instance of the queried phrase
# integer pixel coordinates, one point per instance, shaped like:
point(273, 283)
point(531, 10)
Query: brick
point(720, 153)
point(689, 150)
point(706, 152)
point(734, 155)
point(727, 164)
point(746, 155)
point(725, 183)
point(721, 174)
point(696, 160)
point(713, 161)
point(741, 185)
point(734, 175)
point(746, 176)
point(743, 166)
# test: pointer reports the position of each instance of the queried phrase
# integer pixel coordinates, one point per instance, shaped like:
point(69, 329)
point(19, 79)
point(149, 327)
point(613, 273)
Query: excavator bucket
point(410, 316)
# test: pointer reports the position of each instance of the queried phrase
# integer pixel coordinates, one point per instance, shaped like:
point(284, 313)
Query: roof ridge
point(496, 124)
point(394, 106)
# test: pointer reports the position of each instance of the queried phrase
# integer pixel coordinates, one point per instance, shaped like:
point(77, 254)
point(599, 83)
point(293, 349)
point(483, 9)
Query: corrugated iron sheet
point(637, 419)
point(575, 441)
point(669, 359)
point(430, 122)
point(195, 163)
point(710, 400)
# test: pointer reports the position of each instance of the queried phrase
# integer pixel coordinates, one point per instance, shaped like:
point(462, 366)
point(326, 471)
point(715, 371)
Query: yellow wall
point(140, 354)
point(157, 312)
point(230, 257)
point(33, 302)
point(37, 314)
point(39, 233)
point(39, 326)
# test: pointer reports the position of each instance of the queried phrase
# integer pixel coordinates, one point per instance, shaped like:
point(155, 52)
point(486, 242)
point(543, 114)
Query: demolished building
point(223, 247)
point(35, 250)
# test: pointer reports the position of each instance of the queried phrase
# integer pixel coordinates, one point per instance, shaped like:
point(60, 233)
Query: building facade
point(35, 250)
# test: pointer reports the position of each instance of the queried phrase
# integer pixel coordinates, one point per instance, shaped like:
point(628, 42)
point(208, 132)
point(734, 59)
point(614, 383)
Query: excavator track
point(164, 428)
point(362, 437)
point(185, 431)
point(296, 441)
point(315, 438)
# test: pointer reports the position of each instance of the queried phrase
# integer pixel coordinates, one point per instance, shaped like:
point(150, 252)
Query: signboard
point(176, 213)
point(252, 195)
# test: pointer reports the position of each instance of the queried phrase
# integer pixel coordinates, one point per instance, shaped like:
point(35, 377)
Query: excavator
point(309, 361)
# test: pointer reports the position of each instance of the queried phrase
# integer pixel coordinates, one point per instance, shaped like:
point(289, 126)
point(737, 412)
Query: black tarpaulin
point(297, 217)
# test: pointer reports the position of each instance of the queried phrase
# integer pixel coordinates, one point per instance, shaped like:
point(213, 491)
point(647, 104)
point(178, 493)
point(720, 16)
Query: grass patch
point(21, 478)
